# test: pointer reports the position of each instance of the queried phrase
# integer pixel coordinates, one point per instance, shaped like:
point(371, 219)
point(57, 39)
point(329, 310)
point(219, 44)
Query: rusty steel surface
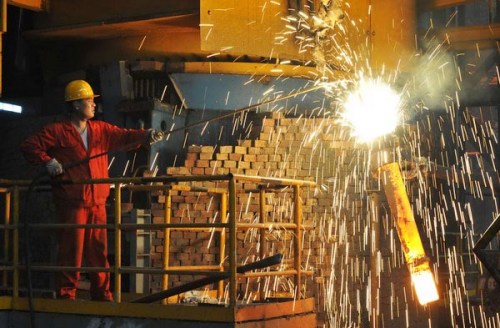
point(402, 212)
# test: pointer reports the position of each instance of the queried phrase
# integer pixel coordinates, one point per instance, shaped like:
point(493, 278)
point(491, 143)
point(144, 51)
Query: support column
point(166, 239)
point(118, 242)
point(298, 239)
point(233, 278)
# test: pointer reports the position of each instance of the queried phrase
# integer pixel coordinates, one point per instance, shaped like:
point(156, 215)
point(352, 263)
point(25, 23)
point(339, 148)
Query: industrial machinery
point(252, 90)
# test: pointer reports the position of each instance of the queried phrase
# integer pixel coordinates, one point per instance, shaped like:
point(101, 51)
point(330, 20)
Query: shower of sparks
point(456, 141)
point(372, 110)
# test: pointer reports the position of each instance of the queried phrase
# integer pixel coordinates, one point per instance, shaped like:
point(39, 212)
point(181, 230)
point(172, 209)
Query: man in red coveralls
point(57, 146)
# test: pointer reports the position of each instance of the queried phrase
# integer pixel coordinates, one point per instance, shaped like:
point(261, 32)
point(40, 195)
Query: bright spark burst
point(371, 110)
point(343, 231)
point(425, 287)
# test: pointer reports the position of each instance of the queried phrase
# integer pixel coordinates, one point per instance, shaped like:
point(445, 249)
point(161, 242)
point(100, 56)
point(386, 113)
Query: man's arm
point(36, 147)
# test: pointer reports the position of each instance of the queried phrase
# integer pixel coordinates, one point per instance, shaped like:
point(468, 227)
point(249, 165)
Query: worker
point(63, 148)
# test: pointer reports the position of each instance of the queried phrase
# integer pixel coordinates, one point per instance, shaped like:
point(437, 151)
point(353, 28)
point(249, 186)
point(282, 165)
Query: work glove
point(155, 136)
point(54, 167)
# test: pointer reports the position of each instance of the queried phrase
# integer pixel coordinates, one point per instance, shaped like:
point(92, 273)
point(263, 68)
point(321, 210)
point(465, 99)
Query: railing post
point(297, 211)
point(15, 242)
point(232, 242)
point(262, 234)
point(6, 235)
point(118, 242)
point(222, 246)
point(166, 238)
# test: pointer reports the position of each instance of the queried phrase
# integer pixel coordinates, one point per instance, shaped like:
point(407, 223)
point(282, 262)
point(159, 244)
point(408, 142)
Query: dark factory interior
point(250, 163)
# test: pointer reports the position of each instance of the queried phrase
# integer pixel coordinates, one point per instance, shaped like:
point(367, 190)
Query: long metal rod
point(233, 276)
point(189, 126)
point(488, 235)
point(277, 182)
point(172, 226)
point(175, 188)
point(205, 270)
point(290, 272)
point(222, 241)
point(189, 270)
point(272, 260)
point(166, 238)
point(297, 209)
point(262, 234)
point(198, 227)
point(118, 243)
point(128, 226)
point(481, 244)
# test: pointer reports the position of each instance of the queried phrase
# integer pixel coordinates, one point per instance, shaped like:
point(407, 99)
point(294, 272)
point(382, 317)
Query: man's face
point(87, 108)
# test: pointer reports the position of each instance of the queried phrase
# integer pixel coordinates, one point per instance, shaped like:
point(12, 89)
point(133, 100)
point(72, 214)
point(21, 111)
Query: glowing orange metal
point(418, 262)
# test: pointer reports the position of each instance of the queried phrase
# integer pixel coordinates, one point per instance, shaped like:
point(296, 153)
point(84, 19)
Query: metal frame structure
point(11, 226)
point(482, 243)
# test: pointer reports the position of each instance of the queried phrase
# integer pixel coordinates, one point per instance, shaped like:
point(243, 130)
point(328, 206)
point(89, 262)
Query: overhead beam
point(427, 5)
point(258, 69)
point(35, 5)
point(62, 13)
point(99, 30)
point(472, 37)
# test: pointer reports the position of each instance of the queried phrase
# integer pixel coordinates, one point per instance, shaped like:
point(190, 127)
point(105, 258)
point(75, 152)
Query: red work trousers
point(88, 244)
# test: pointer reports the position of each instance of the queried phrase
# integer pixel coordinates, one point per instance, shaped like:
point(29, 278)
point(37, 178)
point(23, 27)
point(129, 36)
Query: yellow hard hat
point(78, 89)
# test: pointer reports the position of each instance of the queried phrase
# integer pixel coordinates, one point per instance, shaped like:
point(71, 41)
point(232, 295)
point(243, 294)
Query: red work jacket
point(61, 141)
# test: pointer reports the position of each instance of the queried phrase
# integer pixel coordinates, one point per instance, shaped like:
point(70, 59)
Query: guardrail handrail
point(167, 184)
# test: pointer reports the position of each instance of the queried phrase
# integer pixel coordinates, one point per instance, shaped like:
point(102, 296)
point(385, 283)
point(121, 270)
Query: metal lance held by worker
point(161, 136)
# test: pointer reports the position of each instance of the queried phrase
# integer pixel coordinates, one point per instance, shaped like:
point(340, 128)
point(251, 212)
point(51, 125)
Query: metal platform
point(79, 314)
